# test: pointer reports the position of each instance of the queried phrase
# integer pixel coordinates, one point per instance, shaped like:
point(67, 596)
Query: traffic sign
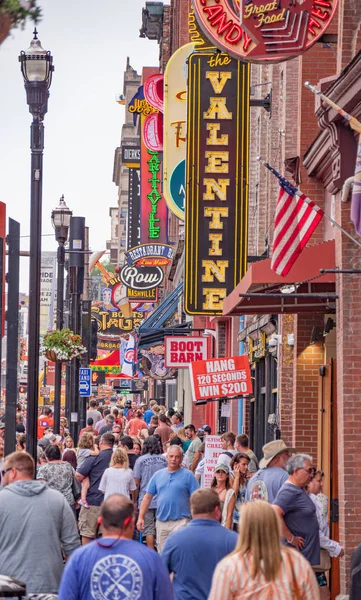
point(84, 382)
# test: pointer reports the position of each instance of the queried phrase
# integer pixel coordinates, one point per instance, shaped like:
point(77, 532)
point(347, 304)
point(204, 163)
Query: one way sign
point(84, 382)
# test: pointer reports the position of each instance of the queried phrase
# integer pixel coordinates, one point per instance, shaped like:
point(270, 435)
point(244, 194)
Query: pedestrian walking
point(147, 464)
point(221, 483)
point(296, 511)
point(173, 487)
point(192, 553)
point(242, 445)
point(116, 567)
point(193, 453)
point(94, 467)
point(265, 483)
point(37, 527)
point(227, 441)
point(260, 568)
point(329, 548)
point(89, 427)
point(93, 413)
point(163, 430)
point(135, 425)
point(57, 473)
point(118, 478)
point(127, 443)
point(239, 470)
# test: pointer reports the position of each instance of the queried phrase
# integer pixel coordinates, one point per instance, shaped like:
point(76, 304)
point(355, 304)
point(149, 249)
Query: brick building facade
point(315, 397)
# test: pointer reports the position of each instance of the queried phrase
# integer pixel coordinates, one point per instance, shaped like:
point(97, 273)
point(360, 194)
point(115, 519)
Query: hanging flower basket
point(62, 345)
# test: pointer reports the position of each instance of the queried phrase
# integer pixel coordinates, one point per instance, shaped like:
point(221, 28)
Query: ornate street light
point(60, 218)
point(37, 68)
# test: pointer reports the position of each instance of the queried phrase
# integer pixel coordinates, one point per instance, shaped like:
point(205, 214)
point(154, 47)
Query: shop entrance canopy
point(259, 292)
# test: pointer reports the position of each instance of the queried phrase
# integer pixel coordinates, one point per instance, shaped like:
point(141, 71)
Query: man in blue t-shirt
point(192, 553)
point(148, 414)
point(115, 567)
point(266, 483)
point(173, 487)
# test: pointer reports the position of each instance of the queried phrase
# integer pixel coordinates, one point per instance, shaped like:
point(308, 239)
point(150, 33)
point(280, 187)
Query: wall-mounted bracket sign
point(141, 278)
point(217, 181)
point(141, 282)
point(175, 123)
point(149, 255)
point(220, 378)
point(264, 31)
point(182, 350)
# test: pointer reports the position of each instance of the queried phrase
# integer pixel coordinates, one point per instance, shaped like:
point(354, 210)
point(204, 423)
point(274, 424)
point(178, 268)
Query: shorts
point(149, 522)
point(88, 521)
point(165, 528)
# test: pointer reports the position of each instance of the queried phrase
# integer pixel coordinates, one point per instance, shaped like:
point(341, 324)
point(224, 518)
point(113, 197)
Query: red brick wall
point(285, 383)
point(306, 378)
point(348, 390)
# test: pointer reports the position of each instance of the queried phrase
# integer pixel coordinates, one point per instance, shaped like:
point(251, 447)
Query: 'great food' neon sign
point(261, 31)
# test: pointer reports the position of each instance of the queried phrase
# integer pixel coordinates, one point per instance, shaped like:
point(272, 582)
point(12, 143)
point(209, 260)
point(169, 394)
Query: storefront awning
point(259, 292)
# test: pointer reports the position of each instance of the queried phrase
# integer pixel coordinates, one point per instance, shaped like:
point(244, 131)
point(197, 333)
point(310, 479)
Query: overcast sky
point(89, 41)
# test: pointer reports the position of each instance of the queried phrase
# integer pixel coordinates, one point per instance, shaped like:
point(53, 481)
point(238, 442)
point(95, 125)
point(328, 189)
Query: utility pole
point(76, 284)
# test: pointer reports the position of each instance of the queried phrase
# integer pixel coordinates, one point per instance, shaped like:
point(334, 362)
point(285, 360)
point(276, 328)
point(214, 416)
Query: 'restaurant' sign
point(217, 181)
point(220, 378)
point(149, 255)
point(262, 31)
point(181, 350)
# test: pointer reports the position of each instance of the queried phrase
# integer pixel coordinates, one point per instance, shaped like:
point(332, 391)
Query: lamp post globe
point(37, 69)
point(60, 218)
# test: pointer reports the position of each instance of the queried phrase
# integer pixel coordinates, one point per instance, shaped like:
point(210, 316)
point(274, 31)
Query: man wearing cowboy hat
point(265, 484)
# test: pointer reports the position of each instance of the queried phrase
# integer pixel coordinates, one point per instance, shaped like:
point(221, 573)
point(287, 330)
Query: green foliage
point(65, 343)
point(20, 10)
point(108, 266)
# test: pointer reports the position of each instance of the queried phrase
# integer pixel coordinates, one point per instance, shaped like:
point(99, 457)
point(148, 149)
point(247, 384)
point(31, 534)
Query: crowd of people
point(129, 508)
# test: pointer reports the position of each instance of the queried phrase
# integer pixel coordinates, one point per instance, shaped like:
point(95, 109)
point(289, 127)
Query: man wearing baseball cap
point(267, 481)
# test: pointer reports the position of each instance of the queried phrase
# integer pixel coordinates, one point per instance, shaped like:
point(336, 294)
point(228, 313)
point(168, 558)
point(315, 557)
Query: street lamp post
point(37, 68)
point(60, 218)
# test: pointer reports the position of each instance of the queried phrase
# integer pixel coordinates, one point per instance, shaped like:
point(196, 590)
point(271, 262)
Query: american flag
point(295, 221)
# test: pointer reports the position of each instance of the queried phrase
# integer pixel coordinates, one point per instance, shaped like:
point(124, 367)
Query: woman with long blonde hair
point(118, 478)
point(261, 568)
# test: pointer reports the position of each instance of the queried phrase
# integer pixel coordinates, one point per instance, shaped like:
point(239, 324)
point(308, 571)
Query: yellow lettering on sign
point(213, 140)
point(218, 80)
point(216, 186)
point(217, 109)
point(217, 162)
point(215, 214)
point(214, 269)
point(215, 239)
point(213, 298)
point(219, 60)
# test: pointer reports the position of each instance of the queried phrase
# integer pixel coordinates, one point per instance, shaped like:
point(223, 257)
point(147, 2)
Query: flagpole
point(307, 200)
point(354, 123)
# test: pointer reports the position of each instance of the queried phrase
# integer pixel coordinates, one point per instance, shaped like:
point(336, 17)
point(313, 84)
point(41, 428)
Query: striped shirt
point(232, 580)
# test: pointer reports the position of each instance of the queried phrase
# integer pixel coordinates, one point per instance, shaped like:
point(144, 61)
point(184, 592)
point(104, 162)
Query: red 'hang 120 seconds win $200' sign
point(220, 378)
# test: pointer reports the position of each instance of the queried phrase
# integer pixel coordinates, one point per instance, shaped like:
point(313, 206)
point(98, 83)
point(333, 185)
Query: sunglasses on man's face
point(5, 471)
point(310, 470)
